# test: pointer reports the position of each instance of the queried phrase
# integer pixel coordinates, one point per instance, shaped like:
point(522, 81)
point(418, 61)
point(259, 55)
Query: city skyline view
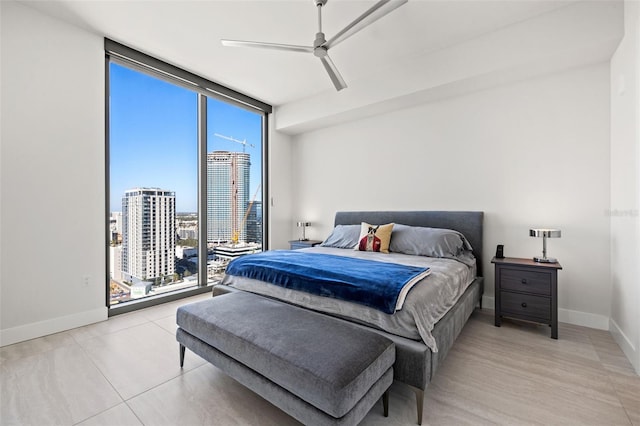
point(153, 137)
point(153, 169)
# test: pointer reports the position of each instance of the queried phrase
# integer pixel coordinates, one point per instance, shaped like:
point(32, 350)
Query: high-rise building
point(115, 227)
point(115, 262)
point(148, 233)
point(254, 223)
point(115, 222)
point(227, 195)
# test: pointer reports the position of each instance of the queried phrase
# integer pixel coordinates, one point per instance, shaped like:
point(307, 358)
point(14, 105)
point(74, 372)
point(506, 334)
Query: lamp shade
point(542, 232)
point(303, 225)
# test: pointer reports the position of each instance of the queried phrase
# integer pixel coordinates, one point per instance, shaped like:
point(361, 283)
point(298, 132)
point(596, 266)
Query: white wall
point(530, 154)
point(279, 198)
point(625, 187)
point(52, 176)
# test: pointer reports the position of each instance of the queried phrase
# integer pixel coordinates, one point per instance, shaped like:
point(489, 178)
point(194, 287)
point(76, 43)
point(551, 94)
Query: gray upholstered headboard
point(467, 223)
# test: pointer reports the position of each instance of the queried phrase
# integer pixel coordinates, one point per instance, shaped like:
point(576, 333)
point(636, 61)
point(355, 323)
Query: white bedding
point(425, 304)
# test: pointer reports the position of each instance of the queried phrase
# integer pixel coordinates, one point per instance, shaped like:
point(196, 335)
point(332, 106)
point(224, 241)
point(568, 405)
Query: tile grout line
point(610, 380)
point(183, 372)
point(127, 401)
point(105, 333)
point(171, 333)
point(37, 353)
point(133, 411)
point(84, 351)
point(615, 389)
point(103, 375)
point(122, 399)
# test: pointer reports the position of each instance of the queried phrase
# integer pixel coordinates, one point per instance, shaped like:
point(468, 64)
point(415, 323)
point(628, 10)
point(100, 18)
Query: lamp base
point(303, 239)
point(545, 260)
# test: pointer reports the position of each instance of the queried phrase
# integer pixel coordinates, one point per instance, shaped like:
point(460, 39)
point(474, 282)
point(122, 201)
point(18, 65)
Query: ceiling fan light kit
point(321, 46)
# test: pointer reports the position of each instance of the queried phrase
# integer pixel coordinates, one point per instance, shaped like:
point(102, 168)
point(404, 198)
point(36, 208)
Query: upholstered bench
point(317, 369)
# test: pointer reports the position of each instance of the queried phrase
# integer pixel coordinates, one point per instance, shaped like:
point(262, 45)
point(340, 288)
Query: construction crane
point(234, 200)
point(243, 142)
point(236, 231)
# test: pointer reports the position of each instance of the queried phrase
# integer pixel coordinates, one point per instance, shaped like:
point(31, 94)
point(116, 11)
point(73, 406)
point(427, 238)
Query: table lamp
point(303, 225)
point(544, 233)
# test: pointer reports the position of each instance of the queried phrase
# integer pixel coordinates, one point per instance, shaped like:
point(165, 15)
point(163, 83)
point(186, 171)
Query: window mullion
point(202, 190)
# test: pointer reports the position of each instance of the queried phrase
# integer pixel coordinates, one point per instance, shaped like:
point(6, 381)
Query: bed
point(422, 340)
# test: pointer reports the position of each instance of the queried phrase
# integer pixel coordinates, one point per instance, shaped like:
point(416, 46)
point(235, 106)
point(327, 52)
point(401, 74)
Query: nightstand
point(527, 290)
point(299, 244)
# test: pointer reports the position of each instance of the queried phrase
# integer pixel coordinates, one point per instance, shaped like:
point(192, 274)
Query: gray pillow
point(432, 242)
point(343, 236)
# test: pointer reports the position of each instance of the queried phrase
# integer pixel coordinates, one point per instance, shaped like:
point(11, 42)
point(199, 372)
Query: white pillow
point(432, 242)
point(343, 236)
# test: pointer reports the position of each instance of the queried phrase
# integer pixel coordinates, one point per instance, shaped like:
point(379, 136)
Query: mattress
point(426, 303)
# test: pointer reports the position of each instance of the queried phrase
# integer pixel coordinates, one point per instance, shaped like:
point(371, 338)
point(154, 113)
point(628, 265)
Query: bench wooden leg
point(385, 402)
point(419, 402)
point(182, 348)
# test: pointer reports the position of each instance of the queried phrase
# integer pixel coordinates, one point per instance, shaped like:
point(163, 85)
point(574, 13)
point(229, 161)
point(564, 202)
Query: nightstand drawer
point(525, 281)
point(526, 305)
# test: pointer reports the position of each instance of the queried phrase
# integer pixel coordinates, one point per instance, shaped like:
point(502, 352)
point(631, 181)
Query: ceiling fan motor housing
point(320, 40)
point(320, 52)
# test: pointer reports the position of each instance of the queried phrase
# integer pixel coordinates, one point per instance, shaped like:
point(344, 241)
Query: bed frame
point(415, 363)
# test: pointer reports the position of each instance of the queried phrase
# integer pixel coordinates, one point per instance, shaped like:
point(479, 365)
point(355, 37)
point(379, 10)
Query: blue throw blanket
point(371, 283)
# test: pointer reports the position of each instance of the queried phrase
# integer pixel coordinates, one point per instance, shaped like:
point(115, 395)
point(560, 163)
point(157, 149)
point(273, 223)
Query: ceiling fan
point(321, 46)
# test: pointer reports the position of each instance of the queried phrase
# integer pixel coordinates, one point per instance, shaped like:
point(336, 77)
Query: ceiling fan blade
point(377, 11)
point(272, 46)
point(335, 76)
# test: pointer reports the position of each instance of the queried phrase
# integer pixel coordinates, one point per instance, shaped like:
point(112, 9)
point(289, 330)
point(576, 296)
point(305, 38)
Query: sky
point(153, 136)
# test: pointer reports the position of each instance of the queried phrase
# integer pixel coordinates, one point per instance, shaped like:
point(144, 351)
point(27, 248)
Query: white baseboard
point(488, 302)
point(625, 344)
point(584, 319)
point(34, 330)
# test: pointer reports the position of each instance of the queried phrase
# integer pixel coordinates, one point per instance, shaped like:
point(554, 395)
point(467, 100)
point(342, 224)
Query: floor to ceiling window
point(234, 181)
point(153, 160)
point(185, 178)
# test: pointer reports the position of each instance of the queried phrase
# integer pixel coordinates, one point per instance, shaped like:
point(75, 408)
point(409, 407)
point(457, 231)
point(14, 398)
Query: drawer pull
point(524, 281)
point(524, 304)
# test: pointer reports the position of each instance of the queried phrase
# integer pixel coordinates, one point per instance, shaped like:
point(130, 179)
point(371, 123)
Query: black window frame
point(139, 61)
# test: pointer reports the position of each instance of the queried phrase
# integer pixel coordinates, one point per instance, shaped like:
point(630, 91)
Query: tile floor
point(124, 371)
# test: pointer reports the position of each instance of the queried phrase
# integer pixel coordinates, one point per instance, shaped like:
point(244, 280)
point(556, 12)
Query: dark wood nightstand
point(298, 244)
point(527, 290)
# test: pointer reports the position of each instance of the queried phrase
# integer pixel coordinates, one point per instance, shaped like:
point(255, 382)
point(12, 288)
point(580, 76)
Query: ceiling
point(188, 33)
